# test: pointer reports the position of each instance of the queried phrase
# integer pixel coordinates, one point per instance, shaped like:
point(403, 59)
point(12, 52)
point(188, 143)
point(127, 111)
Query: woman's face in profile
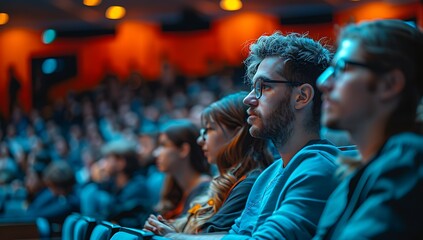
point(212, 139)
point(167, 154)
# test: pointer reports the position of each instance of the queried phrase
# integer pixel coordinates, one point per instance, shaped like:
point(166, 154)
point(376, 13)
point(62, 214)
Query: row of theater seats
point(77, 227)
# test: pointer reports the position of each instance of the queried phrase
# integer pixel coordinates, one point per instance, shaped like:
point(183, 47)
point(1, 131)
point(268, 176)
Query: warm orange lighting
point(230, 5)
point(4, 18)
point(115, 12)
point(91, 3)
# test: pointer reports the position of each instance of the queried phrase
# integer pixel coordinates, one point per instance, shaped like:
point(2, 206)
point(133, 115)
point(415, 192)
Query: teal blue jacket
point(286, 203)
point(383, 199)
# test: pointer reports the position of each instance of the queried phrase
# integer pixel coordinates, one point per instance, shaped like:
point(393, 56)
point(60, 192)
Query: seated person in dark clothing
point(121, 194)
point(226, 141)
point(17, 201)
point(50, 192)
point(187, 171)
point(61, 198)
point(372, 90)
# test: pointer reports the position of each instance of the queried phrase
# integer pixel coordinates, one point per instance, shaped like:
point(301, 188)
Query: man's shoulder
point(318, 150)
point(275, 166)
point(270, 172)
point(317, 159)
point(405, 149)
point(408, 139)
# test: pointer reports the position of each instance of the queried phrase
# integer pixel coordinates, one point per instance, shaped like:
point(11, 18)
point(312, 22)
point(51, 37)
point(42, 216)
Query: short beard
point(279, 126)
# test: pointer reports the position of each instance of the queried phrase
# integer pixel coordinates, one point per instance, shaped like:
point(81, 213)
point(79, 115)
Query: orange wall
point(234, 32)
point(379, 10)
point(142, 47)
point(16, 45)
point(189, 53)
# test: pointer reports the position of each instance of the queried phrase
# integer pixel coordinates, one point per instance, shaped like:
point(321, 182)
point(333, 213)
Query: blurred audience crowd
point(92, 152)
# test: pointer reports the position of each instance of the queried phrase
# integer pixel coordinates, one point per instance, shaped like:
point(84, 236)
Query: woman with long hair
point(240, 158)
point(187, 171)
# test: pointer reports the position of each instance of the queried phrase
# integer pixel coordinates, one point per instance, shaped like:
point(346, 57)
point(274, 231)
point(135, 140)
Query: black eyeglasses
point(342, 64)
point(340, 67)
point(258, 85)
point(203, 133)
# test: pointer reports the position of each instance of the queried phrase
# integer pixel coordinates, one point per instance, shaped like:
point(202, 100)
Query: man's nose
point(250, 99)
point(325, 80)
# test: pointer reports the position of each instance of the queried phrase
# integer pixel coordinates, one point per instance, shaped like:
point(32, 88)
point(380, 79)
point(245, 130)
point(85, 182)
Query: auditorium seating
point(104, 231)
point(83, 228)
point(69, 226)
point(132, 234)
point(77, 227)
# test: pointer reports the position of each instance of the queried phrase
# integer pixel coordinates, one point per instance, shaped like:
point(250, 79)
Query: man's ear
point(392, 84)
point(303, 96)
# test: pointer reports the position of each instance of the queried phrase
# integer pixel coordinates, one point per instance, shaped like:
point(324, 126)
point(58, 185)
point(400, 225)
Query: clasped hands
point(158, 225)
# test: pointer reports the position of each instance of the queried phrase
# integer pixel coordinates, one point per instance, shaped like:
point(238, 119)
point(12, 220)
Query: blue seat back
point(104, 231)
point(131, 234)
point(83, 228)
point(69, 225)
point(44, 228)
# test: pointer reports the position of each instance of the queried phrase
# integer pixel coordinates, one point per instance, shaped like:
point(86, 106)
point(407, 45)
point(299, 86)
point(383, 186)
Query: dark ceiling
point(72, 14)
